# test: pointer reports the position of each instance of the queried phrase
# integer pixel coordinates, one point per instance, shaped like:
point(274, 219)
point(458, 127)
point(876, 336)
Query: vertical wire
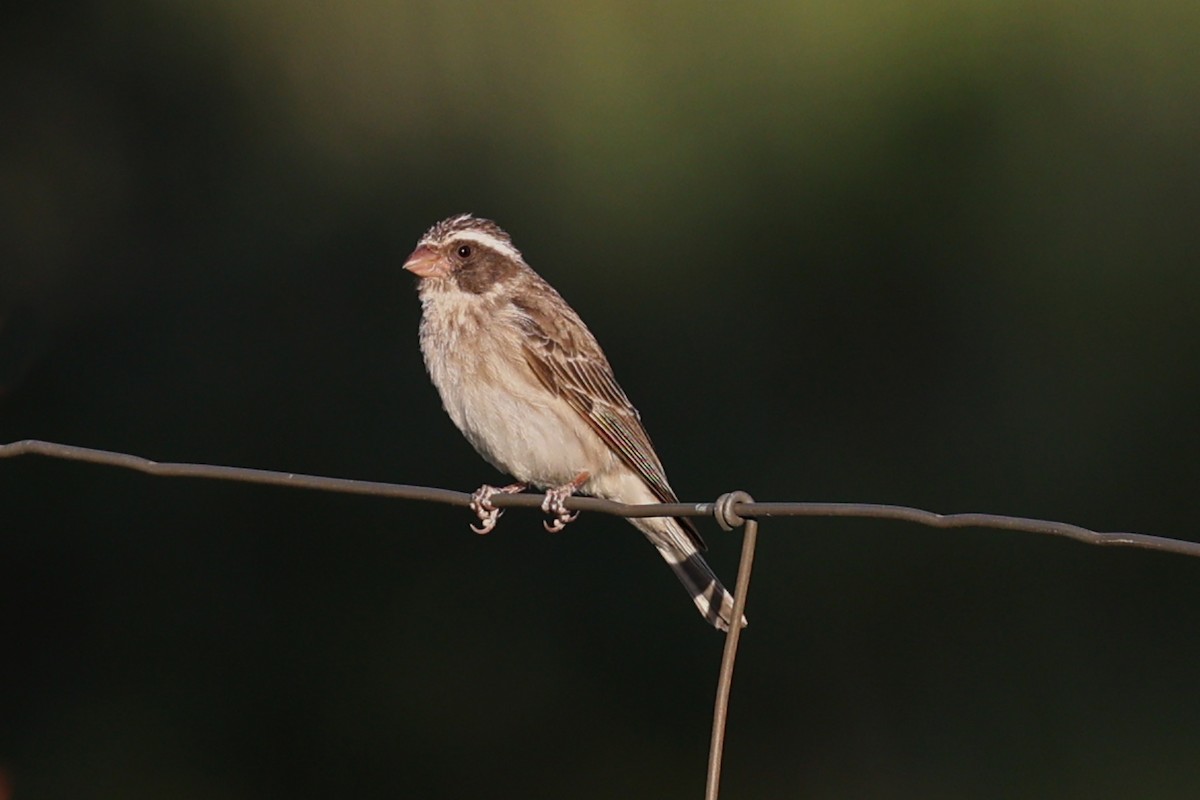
point(725, 681)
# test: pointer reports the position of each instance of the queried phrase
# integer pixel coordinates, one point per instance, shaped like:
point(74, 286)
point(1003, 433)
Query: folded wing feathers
point(586, 382)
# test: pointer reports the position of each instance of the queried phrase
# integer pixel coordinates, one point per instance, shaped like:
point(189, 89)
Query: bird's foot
point(553, 504)
point(481, 504)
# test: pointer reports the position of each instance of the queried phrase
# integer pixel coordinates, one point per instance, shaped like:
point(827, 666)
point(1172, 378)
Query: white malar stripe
point(489, 241)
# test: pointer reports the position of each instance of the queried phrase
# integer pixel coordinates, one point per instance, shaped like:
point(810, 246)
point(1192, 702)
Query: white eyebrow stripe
point(489, 241)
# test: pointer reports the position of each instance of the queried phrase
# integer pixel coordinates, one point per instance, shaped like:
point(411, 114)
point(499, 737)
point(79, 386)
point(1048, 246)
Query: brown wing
point(568, 361)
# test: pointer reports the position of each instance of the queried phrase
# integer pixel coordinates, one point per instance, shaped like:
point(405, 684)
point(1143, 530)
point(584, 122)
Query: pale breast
point(473, 351)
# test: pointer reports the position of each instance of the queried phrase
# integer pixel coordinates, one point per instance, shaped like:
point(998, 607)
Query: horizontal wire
point(754, 510)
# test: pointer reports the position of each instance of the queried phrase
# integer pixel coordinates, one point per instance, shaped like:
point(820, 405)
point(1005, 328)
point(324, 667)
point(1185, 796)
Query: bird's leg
point(553, 504)
point(481, 504)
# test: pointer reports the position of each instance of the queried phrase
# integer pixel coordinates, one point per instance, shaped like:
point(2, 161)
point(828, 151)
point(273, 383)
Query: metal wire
point(745, 509)
point(729, 519)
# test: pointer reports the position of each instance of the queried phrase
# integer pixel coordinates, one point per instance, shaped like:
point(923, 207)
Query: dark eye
point(464, 251)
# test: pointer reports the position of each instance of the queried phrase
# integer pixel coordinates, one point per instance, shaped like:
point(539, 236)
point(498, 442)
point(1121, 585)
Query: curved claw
point(554, 504)
point(481, 504)
point(489, 521)
point(560, 521)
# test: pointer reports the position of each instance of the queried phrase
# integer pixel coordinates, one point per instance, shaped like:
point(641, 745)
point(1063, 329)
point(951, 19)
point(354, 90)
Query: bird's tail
point(681, 554)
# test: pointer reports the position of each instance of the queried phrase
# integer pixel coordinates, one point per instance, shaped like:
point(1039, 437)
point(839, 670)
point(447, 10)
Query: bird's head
point(473, 253)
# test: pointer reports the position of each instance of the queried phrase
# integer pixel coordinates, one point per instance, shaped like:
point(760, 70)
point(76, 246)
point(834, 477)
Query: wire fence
point(730, 510)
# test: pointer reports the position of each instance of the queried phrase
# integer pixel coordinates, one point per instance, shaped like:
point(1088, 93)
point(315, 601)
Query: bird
point(528, 385)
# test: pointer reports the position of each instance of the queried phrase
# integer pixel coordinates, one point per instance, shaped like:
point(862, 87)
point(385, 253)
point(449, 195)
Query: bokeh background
point(933, 253)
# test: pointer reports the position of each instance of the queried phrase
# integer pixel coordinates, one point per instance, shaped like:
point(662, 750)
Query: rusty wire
point(731, 510)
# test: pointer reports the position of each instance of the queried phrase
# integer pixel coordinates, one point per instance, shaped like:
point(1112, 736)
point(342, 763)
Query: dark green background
point(941, 254)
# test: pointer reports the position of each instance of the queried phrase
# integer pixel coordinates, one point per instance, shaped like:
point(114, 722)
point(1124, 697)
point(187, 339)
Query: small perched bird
point(528, 385)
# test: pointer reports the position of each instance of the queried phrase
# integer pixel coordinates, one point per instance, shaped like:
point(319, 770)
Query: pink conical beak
point(426, 263)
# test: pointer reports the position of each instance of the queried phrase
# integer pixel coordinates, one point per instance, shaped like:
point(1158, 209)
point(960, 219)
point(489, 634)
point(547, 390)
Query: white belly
point(528, 434)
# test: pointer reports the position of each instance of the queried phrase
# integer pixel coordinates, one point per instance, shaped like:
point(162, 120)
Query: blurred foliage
point(933, 253)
